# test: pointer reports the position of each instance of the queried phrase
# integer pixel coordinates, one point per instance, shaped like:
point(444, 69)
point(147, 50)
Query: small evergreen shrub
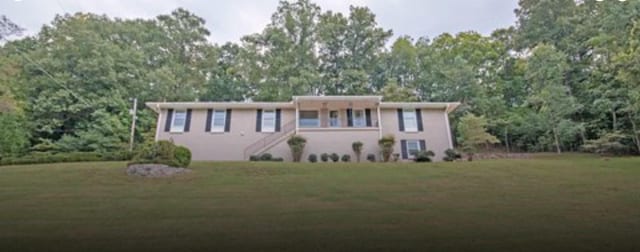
point(346, 158)
point(313, 158)
point(424, 156)
point(371, 157)
point(183, 156)
point(335, 157)
point(451, 155)
point(324, 157)
point(254, 158)
point(266, 157)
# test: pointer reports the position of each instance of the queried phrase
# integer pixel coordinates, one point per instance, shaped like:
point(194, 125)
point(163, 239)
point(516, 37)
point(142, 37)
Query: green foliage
point(357, 149)
point(371, 157)
point(163, 152)
point(14, 135)
point(386, 144)
point(313, 158)
point(551, 81)
point(473, 132)
point(608, 144)
point(183, 156)
point(49, 157)
point(334, 157)
point(266, 157)
point(346, 158)
point(296, 144)
point(451, 155)
point(324, 157)
point(424, 156)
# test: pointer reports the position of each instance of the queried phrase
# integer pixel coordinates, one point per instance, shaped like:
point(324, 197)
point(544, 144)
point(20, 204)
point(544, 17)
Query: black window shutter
point(367, 114)
point(423, 145)
point(349, 117)
point(187, 124)
point(259, 121)
point(403, 147)
point(227, 123)
point(207, 127)
point(419, 119)
point(167, 125)
point(278, 117)
point(400, 120)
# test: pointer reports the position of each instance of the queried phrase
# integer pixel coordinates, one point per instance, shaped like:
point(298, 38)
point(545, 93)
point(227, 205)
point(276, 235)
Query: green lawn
point(572, 203)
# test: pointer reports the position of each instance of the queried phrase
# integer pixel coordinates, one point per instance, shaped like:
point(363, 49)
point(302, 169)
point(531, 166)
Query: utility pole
point(133, 123)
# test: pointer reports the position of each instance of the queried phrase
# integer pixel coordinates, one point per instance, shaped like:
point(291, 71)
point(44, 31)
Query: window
point(359, 118)
point(219, 120)
point(410, 121)
point(413, 147)
point(269, 121)
point(178, 121)
point(334, 119)
point(309, 119)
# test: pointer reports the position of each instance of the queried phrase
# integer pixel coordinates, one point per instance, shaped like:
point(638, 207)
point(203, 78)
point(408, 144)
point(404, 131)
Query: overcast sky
point(230, 20)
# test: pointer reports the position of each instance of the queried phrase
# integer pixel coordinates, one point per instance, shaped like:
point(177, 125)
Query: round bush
point(335, 157)
point(346, 158)
point(183, 156)
point(313, 158)
point(371, 157)
point(324, 157)
point(266, 157)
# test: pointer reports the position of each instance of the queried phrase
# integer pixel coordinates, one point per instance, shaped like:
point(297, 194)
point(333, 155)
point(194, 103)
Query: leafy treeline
point(567, 72)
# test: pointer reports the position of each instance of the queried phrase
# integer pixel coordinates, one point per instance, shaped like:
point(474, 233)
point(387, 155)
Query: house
point(237, 130)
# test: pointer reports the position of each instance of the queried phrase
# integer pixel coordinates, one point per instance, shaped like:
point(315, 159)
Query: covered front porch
point(315, 113)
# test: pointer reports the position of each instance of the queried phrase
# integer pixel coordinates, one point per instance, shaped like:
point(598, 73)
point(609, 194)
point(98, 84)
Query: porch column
point(446, 121)
point(379, 119)
point(297, 115)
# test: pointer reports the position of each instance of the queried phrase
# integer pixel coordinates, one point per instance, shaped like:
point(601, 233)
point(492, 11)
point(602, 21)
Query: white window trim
point(306, 110)
point(407, 127)
point(173, 121)
point(417, 144)
point(338, 118)
point(364, 118)
point(213, 119)
point(272, 128)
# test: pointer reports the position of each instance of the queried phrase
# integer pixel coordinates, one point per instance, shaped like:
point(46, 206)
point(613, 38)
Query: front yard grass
point(572, 203)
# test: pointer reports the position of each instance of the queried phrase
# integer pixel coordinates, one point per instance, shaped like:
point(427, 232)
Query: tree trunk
point(555, 136)
point(636, 138)
point(506, 138)
point(615, 120)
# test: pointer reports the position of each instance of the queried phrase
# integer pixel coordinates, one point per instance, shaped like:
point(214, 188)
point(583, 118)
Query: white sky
point(230, 20)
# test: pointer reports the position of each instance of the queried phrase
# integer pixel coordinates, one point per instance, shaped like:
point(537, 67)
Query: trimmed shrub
point(163, 152)
point(424, 156)
point(335, 157)
point(451, 155)
point(386, 144)
point(346, 158)
point(50, 157)
point(357, 149)
point(324, 157)
point(297, 143)
point(183, 156)
point(371, 157)
point(313, 158)
point(266, 157)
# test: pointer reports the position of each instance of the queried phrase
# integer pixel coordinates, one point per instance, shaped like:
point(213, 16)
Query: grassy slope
point(568, 203)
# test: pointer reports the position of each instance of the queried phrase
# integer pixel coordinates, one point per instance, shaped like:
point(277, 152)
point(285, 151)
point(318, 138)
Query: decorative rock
point(154, 170)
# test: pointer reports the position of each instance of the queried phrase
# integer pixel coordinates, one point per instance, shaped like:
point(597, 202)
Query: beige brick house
point(237, 130)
